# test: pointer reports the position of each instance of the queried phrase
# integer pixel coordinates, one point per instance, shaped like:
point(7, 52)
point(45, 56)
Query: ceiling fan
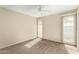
point(41, 8)
point(42, 11)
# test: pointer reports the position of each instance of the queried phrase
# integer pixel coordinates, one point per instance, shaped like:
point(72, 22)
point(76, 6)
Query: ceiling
point(40, 10)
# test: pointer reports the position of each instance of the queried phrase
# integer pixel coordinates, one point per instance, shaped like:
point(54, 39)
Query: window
point(69, 29)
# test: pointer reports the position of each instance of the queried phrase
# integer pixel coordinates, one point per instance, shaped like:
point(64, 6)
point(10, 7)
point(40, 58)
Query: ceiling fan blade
point(40, 9)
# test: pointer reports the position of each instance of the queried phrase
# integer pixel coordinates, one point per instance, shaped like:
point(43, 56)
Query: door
point(39, 28)
point(69, 29)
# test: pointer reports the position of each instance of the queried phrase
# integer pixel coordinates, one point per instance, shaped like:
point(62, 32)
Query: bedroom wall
point(52, 28)
point(15, 27)
point(78, 28)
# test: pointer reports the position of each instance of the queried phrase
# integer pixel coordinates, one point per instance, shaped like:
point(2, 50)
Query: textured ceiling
point(33, 10)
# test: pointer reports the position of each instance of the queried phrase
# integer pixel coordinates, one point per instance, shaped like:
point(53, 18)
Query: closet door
point(69, 29)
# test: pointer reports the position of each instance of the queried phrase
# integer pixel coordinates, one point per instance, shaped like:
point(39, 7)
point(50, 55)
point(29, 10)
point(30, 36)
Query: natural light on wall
point(39, 35)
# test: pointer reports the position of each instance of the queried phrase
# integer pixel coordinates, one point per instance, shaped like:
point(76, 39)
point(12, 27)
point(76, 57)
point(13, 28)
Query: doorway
point(39, 28)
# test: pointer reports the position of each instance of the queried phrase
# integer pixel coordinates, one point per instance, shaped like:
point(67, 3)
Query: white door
point(69, 32)
point(40, 28)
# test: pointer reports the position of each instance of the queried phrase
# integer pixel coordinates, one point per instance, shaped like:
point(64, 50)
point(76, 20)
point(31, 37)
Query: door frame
point(74, 32)
point(39, 19)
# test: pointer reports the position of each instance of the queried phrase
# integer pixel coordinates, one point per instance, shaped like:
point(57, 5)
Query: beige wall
point(78, 28)
point(52, 28)
point(15, 27)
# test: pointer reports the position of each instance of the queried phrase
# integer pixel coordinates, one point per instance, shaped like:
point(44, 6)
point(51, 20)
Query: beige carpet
point(42, 47)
